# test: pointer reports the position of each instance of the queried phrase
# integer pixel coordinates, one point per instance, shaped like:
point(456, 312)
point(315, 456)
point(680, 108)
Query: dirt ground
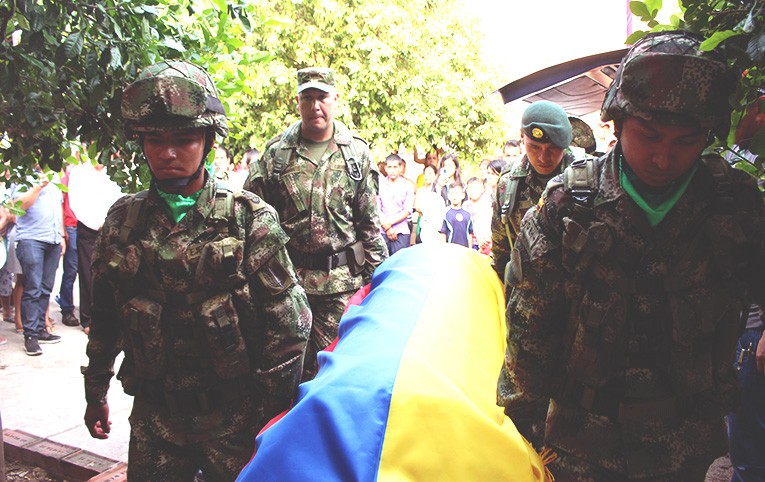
point(16, 471)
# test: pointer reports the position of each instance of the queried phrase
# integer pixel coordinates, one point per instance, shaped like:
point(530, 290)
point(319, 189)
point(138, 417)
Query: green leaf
point(653, 6)
point(757, 145)
point(640, 9)
point(635, 36)
point(712, 42)
point(221, 4)
point(171, 43)
point(73, 45)
point(115, 58)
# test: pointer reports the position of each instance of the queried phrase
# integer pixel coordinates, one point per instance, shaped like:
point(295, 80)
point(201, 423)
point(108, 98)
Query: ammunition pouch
point(142, 317)
point(224, 337)
point(356, 258)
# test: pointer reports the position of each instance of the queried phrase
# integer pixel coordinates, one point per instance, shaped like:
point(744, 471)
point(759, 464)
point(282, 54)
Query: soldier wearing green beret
point(193, 282)
point(628, 282)
point(319, 177)
point(546, 135)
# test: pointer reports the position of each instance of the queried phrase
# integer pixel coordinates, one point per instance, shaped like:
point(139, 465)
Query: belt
point(318, 261)
point(609, 404)
point(196, 401)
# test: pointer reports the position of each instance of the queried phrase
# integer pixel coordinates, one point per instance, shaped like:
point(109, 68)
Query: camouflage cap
point(316, 78)
point(547, 122)
point(173, 95)
point(666, 78)
point(582, 134)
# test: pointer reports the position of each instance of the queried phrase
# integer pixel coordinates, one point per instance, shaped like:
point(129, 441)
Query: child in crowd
point(478, 205)
point(396, 200)
point(457, 227)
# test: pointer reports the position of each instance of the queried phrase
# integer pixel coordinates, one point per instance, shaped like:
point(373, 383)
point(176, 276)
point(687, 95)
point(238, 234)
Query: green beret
point(316, 78)
point(547, 122)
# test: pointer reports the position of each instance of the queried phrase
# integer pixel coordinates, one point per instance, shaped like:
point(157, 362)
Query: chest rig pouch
point(192, 329)
point(601, 295)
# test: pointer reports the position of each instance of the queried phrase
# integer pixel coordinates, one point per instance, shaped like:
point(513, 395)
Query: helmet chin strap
point(184, 181)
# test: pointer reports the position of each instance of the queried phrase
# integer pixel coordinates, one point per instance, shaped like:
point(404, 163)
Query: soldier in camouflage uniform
point(546, 135)
point(318, 176)
point(629, 280)
point(194, 284)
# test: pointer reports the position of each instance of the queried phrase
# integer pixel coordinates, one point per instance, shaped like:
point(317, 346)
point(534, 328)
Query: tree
point(63, 66)
point(737, 27)
point(404, 74)
point(409, 72)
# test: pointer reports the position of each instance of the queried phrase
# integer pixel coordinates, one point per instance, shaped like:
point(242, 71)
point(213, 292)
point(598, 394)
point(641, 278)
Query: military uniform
point(630, 330)
point(329, 209)
point(194, 284)
point(519, 187)
point(626, 325)
point(210, 317)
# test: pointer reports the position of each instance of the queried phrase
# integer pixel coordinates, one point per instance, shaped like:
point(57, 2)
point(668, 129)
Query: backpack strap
point(580, 183)
point(134, 216)
point(517, 172)
point(723, 182)
point(282, 152)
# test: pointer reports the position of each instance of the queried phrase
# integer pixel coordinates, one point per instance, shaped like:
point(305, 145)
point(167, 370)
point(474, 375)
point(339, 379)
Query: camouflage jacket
point(631, 330)
point(211, 301)
point(530, 187)
point(320, 207)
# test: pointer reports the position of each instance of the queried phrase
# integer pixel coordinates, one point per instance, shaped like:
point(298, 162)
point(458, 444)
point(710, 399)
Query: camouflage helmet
point(666, 78)
point(172, 95)
point(582, 134)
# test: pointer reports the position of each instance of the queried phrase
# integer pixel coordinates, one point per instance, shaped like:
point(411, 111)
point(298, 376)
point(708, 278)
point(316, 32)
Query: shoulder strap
point(580, 183)
point(514, 175)
point(282, 154)
point(134, 216)
point(723, 181)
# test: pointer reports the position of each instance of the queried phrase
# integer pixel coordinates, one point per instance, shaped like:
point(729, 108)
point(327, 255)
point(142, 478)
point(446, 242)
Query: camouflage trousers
point(570, 468)
point(326, 311)
point(151, 458)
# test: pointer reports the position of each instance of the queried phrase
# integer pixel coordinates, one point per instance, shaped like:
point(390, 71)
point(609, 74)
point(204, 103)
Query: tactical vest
point(193, 334)
point(603, 299)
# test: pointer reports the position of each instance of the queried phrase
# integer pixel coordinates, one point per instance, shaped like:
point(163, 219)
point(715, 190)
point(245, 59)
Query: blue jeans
point(746, 426)
point(65, 298)
point(39, 262)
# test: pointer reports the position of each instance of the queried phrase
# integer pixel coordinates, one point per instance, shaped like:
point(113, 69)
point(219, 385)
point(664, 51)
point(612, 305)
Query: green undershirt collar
point(178, 204)
point(655, 205)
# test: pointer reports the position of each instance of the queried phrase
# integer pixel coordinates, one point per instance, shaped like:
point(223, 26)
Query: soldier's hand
point(97, 420)
point(760, 354)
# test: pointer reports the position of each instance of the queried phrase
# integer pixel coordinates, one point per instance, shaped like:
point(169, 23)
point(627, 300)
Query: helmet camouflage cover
point(172, 95)
point(666, 78)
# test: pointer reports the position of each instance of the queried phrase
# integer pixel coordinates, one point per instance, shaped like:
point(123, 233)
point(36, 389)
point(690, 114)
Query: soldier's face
point(544, 158)
point(316, 109)
point(660, 153)
point(174, 154)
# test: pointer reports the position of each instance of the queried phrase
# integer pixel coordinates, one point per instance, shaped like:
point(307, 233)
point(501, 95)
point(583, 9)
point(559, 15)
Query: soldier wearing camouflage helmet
point(628, 280)
point(546, 135)
point(193, 282)
point(319, 177)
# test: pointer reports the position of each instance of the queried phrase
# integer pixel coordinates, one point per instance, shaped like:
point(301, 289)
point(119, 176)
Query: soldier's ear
point(297, 103)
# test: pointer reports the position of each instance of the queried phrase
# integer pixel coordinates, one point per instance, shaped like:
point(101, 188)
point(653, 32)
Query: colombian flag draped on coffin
point(408, 393)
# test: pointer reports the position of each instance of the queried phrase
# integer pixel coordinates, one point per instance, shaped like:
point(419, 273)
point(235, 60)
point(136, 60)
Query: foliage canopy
point(409, 72)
